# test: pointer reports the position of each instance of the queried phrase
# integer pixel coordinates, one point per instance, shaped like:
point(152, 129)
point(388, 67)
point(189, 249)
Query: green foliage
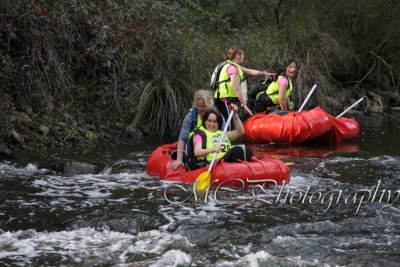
point(119, 61)
point(91, 136)
point(161, 103)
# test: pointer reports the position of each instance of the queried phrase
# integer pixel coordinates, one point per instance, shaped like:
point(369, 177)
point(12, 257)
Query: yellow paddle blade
point(202, 182)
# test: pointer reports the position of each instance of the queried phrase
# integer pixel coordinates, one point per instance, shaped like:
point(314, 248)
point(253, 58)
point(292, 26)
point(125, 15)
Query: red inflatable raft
point(300, 127)
point(343, 129)
point(250, 173)
point(291, 128)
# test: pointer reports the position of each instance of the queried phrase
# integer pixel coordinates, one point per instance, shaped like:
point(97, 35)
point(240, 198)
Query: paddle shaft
point(220, 140)
point(308, 96)
point(352, 106)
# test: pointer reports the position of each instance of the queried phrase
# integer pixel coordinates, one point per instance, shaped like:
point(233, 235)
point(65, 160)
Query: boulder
point(376, 103)
point(16, 137)
point(75, 168)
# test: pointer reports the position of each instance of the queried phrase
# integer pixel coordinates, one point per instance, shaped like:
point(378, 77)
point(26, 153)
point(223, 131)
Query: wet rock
point(75, 168)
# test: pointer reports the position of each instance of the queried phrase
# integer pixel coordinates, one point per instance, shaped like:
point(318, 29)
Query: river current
point(341, 208)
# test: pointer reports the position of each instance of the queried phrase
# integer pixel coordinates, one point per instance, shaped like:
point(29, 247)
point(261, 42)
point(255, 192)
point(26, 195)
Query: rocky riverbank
point(29, 132)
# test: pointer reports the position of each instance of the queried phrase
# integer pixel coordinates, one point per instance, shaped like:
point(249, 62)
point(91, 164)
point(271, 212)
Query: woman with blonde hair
point(202, 102)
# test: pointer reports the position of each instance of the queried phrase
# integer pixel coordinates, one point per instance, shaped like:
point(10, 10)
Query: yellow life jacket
point(225, 87)
point(273, 90)
point(197, 121)
point(210, 140)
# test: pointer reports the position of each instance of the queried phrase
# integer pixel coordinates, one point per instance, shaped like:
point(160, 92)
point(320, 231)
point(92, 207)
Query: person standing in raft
point(207, 137)
point(202, 101)
point(230, 80)
point(278, 92)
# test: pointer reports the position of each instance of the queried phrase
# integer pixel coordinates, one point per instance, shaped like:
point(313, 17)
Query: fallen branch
point(387, 65)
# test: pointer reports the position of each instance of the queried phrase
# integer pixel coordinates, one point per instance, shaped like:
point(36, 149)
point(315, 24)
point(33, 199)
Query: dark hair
point(232, 52)
point(217, 113)
point(286, 64)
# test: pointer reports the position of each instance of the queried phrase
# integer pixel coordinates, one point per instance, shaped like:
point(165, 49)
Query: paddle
point(203, 180)
point(308, 96)
point(344, 112)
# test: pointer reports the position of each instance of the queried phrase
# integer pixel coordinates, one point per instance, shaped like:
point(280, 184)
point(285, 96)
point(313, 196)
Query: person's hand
point(269, 75)
point(246, 108)
point(174, 165)
point(234, 108)
point(215, 149)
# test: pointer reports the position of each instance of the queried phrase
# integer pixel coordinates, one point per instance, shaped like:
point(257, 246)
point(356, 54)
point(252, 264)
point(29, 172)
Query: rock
point(16, 137)
point(131, 131)
point(376, 102)
point(105, 134)
point(20, 117)
point(75, 168)
point(5, 152)
point(376, 108)
point(395, 109)
point(393, 97)
point(355, 113)
point(43, 129)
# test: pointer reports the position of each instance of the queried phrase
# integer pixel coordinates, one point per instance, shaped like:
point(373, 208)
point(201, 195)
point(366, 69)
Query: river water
point(120, 216)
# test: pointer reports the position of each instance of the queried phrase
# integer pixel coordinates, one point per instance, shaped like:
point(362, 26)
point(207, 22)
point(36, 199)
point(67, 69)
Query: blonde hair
point(204, 95)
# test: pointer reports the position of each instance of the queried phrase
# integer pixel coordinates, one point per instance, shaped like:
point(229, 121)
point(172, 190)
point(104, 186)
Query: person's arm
point(282, 97)
point(201, 152)
point(282, 85)
point(289, 106)
point(183, 136)
point(239, 93)
point(239, 131)
point(179, 155)
point(252, 72)
point(239, 128)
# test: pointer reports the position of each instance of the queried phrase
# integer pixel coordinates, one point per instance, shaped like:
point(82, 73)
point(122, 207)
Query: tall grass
point(163, 104)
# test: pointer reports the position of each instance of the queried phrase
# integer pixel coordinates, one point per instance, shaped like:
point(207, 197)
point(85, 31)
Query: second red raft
point(300, 127)
point(291, 128)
